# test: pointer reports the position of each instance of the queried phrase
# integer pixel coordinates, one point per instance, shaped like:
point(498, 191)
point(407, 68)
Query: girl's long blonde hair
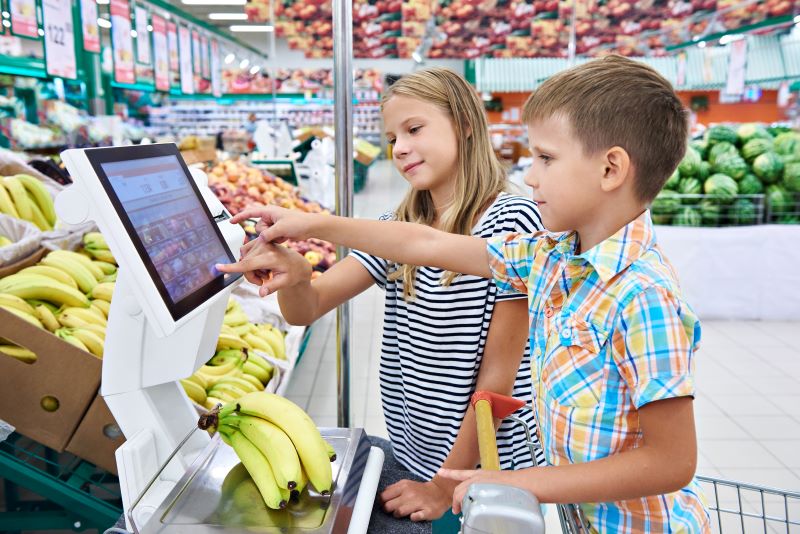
point(480, 177)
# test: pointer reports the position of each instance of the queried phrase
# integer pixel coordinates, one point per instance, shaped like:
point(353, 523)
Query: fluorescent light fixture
point(245, 62)
point(255, 69)
point(103, 2)
point(41, 32)
point(134, 33)
point(725, 39)
point(214, 2)
point(7, 23)
point(149, 27)
point(227, 16)
point(229, 59)
point(251, 28)
point(6, 14)
point(701, 44)
point(104, 23)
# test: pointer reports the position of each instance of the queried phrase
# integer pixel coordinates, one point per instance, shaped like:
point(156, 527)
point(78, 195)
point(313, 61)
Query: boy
point(612, 340)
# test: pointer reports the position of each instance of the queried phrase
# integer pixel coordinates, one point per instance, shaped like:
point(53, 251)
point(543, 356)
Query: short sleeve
point(377, 267)
point(520, 216)
point(511, 259)
point(660, 335)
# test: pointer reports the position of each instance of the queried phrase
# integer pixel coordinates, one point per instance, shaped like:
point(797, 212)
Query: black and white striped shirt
point(432, 349)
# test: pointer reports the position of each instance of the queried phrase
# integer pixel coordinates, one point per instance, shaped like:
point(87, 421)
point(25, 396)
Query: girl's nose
point(399, 150)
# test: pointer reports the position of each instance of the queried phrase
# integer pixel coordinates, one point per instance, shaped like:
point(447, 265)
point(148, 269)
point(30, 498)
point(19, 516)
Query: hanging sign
point(122, 42)
point(737, 66)
point(198, 67)
point(23, 18)
point(187, 77)
point(216, 81)
point(142, 37)
point(205, 59)
point(681, 77)
point(172, 41)
point(91, 33)
point(59, 39)
point(160, 53)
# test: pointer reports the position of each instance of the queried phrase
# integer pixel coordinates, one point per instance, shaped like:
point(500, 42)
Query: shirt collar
point(615, 254)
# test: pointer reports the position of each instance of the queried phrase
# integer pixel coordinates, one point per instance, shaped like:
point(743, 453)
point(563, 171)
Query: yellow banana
point(242, 329)
point(223, 356)
point(107, 268)
point(259, 344)
point(102, 305)
point(195, 392)
point(236, 317)
point(226, 387)
point(94, 240)
point(10, 301)
point(49, 305)
point(7, 203)
point(274, 444)
point(104, 291)
point(96, 271)
point(37, 218)
point(219, 370)
point(225, 329)
point(22, 202)
point(275, 338)
point(33, 286)
point(300, 428)
point(54, 273)
point(66, 335)
point(261, 362)
point(92, 341)
point(31, 318)
point(227, 341)
point(200, 380)
point(103, 255)
point(245, 385)
point(223, 395)
point(47, 318)
point(109, 278)
point(252, 379)
point(212, 402)
point(97, 310)
point(231, 305)
point(261, 472)
point(331, 451)
point(22, 354)
point(83, 277)
point(41, 196)
point(97, 329)
point(86, 314)
point(251, 369)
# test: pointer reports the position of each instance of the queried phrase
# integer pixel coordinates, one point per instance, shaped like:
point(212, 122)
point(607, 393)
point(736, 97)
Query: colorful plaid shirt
point(609, 333)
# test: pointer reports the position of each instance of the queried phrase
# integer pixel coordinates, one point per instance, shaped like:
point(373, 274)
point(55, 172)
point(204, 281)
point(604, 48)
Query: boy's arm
point(407, 243)
point(664, 463)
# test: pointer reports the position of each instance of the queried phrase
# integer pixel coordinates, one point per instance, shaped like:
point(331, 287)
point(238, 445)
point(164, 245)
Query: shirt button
point(565, 333)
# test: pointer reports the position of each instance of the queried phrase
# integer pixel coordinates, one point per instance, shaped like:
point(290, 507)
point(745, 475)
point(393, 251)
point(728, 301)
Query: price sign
point(197, 58)
point(216, 82)
point(187, 76)
point(91, 33)
point(122, 42)
point(172, 42)
point(59, 39)
point(142, 37)
point(160, 53)
point(737, 67)
point(204, 56)
point(23, 18)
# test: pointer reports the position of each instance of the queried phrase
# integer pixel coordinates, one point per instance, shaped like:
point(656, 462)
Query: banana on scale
point(260, 471)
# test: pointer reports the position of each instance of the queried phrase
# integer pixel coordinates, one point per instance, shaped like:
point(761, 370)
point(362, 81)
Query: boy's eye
point(545, 158)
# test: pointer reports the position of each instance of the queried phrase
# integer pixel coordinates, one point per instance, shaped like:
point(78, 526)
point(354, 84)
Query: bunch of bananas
point(5, 241)
point(95, 244)
point(68, 294)
point(239, 333)
point(24, 197)
point(278, 444)
point(230, 374)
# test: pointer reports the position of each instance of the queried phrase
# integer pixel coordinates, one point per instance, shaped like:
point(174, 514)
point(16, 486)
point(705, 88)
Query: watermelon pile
point(718, 181)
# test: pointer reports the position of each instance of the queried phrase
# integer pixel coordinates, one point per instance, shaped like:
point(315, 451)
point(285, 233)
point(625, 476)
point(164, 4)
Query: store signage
point(23, 18)
point(122, 42)
point(91, 33)
point(204, 56)
point(59, 39)
point(216, 80)
point(161, 53)
point(737, 66)
point(172, 42)
point(196, 57)
point(681, 77)
point(187, 76)
point(784, 95)
point(142, 37)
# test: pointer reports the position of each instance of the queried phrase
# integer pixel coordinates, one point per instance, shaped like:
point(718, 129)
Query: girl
point(444, 334)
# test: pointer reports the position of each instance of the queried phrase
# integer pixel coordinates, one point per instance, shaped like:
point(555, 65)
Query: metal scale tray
point(196, 503)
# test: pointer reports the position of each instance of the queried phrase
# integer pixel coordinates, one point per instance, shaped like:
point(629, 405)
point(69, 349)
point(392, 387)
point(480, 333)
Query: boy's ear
point(617, 168)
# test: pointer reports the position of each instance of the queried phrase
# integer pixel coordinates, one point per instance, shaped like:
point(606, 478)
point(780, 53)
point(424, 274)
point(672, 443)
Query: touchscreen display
point(170, 220)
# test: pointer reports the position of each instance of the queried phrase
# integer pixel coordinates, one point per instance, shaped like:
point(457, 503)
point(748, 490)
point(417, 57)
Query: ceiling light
point(214, 2)
point(7, 24)
point(725, 39)
point(701, 44)
point(416, 57)
point(149, 27)
point(255, 69)
point(796, 19)
point(245, 62)
point(134, 33)
point(253, 28)
point(229, 59)
point(104, 23)
point(6, 14)
point(227, 16)
point(41, 32)
point(103, 2)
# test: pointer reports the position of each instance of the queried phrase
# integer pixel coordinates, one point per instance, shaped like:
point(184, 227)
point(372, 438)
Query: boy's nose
point(530, 179)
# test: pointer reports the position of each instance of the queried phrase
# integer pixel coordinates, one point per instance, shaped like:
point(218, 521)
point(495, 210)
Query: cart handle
point(489, 405)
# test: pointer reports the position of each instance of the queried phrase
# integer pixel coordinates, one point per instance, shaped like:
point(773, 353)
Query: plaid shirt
point(609, 333)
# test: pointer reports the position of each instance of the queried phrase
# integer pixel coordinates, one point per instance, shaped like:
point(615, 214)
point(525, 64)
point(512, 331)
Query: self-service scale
point(167, 231)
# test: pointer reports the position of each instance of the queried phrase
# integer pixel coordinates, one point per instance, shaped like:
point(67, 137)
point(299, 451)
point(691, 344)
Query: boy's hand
point(273, 267)
point(276, 225)
point(419, 501)
point(469, 477)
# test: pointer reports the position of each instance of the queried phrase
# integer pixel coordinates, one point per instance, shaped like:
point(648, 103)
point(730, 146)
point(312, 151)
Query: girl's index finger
point(457, 474)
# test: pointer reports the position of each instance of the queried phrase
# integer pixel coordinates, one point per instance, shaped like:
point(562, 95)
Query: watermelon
point(787, 143)
point(780, 201)
point(769, 167)
point(701, 147)
point(710, 212)
point(664, 206)
point(732, 165)
point(789, 219)
point(791, 176)
point(704, 171)
point(748, 132)
point(719, 149)
point(720, 134)
point(750, 185)
point(755, 147)
point(673, 181)
point(690, 186)
point(743, 212)
point(722, 187)
point(687, 216)
point(690, 164)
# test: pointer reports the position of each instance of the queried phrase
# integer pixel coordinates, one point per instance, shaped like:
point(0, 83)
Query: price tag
point(216, 82)
point(187, 76)
point(122, 42)
point(160, 53)
point(23, 18)
point(197, 58)
point(142, 37)
point(91, 33)
point(59, 39)
point(172, 42)
point(204, 56)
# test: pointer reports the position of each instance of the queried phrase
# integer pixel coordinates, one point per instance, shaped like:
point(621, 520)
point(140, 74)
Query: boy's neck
point(606, 225)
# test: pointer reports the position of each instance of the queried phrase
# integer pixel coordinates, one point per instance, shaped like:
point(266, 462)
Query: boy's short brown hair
point(615, 101)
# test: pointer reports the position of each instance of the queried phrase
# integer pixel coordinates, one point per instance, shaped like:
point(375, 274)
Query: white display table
point(747, 272)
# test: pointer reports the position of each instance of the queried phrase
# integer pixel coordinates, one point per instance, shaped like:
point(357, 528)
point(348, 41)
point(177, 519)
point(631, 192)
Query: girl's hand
point(276, 225)
point(419, 501)
point(273, 267)
point(469, 477)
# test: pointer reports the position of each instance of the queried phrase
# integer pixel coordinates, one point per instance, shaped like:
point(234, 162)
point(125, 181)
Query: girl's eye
point(545, 158)
point(390, 141)
point(414, 129)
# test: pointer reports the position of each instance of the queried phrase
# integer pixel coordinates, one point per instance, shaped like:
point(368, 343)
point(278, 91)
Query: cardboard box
point(199, 155)
point(18, 265)
point(97, 437)
point(61, 371)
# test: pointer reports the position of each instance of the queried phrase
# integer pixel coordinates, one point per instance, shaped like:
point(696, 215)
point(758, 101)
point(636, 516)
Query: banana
point(110, 278)
point(10, 301)
point(302, 482)
point(259, 344)
point(107, 268)
point(22, 202)
point(261, 472)
point(246, 508)
point(41, 197)
point(38, 218)
point(236, 317)
point(83, 277)
point(31, 286)
point(226, 387)
point(195, 392)
point(103, 291)
point(97, 310)
point(92, 341)
point(199, 380)
point(225, 329)
point(219, 370)
point(102, 305)
point(54, 273)
point(97, 329)
point(47, 318)
point(300, 428)
point(331, 451)
point(251, 369)
point(212, 402)
point(264, 364)
point(245, 385)
point(223, 396)
point(94, 240)
point(227, 341)
point(242, 329)
point(274, 444)
point(31, 318)
point(223, 356)
point(252, 379)
point(87, 262)
point(22, 354)
point(7, 203)
point(86, 314)
point(275, 338)
point(103, 255)
point(232, 304)
point(66, 335)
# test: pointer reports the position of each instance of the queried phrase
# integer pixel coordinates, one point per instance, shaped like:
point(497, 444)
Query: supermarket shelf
point(23, 66)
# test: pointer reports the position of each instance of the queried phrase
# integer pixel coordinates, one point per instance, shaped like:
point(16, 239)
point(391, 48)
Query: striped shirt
point(610, 333)
point(432, 348)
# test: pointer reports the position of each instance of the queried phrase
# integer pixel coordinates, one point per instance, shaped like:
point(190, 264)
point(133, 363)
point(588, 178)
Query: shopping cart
point(735, 507)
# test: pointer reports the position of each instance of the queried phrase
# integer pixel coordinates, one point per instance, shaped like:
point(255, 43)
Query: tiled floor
point(748, 378)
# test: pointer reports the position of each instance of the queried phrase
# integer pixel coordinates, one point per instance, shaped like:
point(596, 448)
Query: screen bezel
point(97, 157)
